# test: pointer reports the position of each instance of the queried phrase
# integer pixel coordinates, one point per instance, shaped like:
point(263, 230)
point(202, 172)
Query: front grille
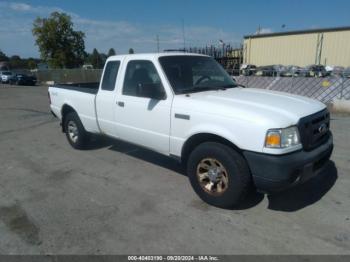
point(314, 129)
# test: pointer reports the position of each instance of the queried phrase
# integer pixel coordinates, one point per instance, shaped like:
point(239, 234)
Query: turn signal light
point(273, 139)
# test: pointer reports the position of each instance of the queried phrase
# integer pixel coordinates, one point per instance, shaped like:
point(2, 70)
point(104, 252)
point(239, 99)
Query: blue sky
point(135, 23)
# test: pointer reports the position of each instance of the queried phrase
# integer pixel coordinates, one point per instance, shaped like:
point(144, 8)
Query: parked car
point(329, 69)
point(289, 71)
point(337, 70)
point(279, 69)
point(6, 76)
point(346, 72)
point(88, 66)
point(314, 71)
point(270, 70)
point(187, 107)
point(248, 69)
point(23, 79)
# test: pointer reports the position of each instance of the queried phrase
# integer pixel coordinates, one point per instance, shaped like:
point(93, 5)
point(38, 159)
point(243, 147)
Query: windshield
point(189, 74)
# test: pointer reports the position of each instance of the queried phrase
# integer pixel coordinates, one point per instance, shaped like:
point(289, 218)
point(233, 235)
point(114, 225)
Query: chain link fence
point(69, 75)
point(325, 89)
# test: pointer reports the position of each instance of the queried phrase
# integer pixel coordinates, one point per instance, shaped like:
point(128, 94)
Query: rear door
point(105, 99)
point(142, 120)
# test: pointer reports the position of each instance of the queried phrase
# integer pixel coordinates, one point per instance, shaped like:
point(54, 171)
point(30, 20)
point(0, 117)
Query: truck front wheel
point(75, 131)
point(218, 174)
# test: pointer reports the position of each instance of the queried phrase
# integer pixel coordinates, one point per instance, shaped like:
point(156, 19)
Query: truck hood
point(272, 108)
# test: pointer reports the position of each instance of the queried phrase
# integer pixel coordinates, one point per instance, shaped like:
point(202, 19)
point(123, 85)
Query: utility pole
point(259, 30)
point(158, 43)
point(183, 33)
point(223, 47)
point(319, 45)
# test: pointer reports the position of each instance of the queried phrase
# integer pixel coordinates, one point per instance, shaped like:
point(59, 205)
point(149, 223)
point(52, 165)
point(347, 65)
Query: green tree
point(103, 58)
point(58, 43)
point(95, 59)
point(31, 63)
point(16, 62)
point(3, 57)
point(111, 52)
point(131, 51)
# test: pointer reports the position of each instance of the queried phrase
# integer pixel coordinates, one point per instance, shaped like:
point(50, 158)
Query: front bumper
point(273, 173)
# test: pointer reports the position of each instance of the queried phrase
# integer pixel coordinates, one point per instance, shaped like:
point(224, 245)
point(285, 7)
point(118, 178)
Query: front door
point(143, 120)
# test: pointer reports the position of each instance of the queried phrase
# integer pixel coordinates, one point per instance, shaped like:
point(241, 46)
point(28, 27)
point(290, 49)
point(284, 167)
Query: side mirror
point(152, 91)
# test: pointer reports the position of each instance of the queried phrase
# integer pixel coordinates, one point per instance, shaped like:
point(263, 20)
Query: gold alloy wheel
point(212, 176)
point(73, 131)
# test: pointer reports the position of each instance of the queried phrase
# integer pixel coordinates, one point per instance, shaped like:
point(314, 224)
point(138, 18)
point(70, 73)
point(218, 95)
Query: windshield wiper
point(198, 89)
point(205, 88)
point(229, 86)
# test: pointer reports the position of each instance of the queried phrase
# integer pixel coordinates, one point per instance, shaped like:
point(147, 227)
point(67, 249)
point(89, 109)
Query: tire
point(75, 131)
point(235, 181)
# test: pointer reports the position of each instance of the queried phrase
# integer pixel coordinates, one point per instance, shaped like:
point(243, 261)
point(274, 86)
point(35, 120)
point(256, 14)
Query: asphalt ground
point(117, 198)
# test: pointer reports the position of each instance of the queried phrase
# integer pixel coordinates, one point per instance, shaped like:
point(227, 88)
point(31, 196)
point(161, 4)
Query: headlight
point(282, 138)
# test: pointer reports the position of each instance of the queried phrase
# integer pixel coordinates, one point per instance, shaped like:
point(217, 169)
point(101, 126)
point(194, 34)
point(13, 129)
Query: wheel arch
point(66, 109)
point(193, 141)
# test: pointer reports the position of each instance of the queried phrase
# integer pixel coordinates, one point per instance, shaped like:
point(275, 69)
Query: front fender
point(245, 135)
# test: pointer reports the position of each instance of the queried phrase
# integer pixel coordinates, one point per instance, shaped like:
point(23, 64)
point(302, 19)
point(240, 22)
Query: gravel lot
point(115, 198)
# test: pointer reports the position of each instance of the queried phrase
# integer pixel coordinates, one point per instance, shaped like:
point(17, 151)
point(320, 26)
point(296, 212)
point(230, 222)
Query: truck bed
point(79, 96)
point(91, 88)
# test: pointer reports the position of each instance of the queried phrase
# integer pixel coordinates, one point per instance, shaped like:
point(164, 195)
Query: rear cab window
point(110, 75)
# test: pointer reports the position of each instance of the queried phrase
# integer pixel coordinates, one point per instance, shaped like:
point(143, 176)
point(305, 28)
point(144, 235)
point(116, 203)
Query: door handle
point(120, 103)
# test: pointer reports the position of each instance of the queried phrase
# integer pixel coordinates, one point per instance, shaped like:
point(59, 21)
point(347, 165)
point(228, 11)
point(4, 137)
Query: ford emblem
point(322, 128)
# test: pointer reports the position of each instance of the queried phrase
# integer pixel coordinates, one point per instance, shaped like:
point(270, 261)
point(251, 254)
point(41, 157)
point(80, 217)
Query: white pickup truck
point(186, 106)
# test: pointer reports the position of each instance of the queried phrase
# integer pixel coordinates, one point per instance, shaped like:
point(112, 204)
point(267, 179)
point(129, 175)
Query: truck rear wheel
point(75, 131)
point(218, 174)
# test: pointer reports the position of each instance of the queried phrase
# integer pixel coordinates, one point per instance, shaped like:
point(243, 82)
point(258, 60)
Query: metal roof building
point(329, 46)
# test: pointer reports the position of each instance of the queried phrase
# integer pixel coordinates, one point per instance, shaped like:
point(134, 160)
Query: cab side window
point(141, 77)
point(110, 75)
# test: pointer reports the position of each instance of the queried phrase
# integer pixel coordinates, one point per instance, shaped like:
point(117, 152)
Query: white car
point(186, 106)
point(6, 76)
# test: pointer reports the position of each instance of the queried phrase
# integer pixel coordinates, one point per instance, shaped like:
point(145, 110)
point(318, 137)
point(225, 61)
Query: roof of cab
point(153, 55)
